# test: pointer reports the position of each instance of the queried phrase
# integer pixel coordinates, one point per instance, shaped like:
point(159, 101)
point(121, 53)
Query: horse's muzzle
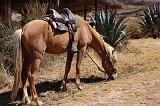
point(114, 75)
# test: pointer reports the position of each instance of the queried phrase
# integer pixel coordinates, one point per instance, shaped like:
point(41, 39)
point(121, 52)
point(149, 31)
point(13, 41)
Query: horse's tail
point(17, 62)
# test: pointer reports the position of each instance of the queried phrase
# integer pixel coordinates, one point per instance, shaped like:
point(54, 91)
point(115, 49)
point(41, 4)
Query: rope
point(95, 62)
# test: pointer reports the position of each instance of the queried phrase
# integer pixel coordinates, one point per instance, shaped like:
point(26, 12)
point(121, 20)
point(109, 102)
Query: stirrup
point(74, 47)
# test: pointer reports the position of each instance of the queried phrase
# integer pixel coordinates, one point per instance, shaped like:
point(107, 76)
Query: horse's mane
point(93, 31)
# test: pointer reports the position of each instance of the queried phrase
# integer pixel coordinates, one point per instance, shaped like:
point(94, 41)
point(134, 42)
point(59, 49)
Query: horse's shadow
point(47, 86)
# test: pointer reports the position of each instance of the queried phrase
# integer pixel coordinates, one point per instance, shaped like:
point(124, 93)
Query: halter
point(107, 57)
point(95, 63)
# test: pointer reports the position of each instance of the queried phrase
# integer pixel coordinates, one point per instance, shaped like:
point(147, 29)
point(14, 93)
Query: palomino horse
point(37, 37)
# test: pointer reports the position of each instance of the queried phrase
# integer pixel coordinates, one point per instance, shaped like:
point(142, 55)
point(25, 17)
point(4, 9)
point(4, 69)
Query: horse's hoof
point(63, 89)
point(39, 103)
point(27, 100)
point(80, 88)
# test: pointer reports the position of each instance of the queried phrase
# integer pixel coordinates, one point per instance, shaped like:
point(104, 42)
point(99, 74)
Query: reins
point(95, 62)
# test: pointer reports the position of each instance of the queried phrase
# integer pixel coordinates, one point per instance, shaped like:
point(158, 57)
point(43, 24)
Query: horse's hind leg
point(24, 77)
point(67, 69)
point(31, 77)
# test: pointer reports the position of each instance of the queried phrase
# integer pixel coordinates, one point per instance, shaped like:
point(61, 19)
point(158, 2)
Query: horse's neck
point(97, 43)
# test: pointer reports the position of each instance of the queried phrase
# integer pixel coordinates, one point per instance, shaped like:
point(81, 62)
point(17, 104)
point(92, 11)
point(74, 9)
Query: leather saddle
point(61, 20)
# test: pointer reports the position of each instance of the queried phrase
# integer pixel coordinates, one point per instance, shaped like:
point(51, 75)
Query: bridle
point(114, 69)
point(95, 63)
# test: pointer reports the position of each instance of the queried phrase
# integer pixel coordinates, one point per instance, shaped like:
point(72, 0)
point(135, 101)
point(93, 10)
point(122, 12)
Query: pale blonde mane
point(105, 47)
point(110, 52)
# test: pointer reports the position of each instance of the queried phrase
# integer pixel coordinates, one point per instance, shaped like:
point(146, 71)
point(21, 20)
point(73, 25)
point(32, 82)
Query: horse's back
point(35, 27)
point(38, 35)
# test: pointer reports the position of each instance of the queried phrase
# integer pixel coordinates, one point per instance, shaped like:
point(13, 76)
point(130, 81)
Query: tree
point(7, 12)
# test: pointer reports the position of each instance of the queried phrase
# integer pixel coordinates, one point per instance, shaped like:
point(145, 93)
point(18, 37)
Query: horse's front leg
point(78, 66)
point(67, 69)
point(31, 77)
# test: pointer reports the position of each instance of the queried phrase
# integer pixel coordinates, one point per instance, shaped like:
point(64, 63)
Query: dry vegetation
point(138, 81)
point(133, 28)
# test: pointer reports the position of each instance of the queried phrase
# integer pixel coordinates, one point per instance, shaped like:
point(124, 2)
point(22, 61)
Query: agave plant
point(151, 21)
point(111, 29)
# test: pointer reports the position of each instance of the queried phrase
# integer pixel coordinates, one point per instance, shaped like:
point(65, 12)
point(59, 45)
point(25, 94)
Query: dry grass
point(143, 57)
point(138, 81)
point(5, 80)
point(138, 75)
point(137, 84)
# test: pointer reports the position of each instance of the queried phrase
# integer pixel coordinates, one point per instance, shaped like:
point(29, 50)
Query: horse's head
point(109, 62)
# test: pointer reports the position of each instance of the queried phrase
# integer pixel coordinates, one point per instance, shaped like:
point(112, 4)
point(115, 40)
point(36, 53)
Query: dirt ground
point(138, 82)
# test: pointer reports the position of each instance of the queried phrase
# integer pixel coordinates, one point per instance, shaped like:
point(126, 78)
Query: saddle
point(65, 21)
point(61, 20)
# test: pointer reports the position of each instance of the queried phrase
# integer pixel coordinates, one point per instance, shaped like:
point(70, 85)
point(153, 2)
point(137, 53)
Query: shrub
point(33, 10)
point(109, 27)
point(150, 24)
point(133, 29)
point(6, 48)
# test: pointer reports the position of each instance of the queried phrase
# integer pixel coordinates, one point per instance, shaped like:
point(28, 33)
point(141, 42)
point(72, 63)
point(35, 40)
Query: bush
point(33, 10)
point(6, 48)
point(109, 27)
point(133, 29)
point(150, 24)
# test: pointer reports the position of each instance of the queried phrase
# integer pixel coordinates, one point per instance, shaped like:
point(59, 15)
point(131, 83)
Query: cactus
point(151, 21)
point(112, 30)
